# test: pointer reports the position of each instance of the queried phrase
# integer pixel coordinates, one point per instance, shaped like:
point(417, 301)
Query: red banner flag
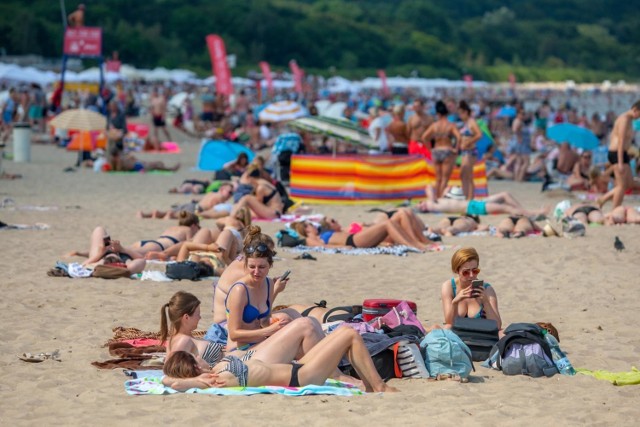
point(266, 72)
point(383, 79)
point(298, 74)
point(218, 55)
point(83, 41)
point(113, 65)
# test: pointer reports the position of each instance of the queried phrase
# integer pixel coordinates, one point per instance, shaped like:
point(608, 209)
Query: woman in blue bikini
point(459, 299)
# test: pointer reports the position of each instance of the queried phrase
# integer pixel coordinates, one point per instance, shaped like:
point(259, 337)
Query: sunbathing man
point(499, 203)
point(211, 206)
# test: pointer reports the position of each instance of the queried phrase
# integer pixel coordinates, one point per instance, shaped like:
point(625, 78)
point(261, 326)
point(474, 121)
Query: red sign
point(469, 79)
point(298, 74)
point(383, 79)
point(113, 66)
point(218, 55)
point(266, 72)
point(83, 41)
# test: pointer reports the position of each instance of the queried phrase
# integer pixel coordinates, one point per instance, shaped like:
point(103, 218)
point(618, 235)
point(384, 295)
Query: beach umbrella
point(77, 119)
point(215, 153)
point(343, 130)
point(281, 111)
point(507, 111)
point(576, 136)
point(335, 110)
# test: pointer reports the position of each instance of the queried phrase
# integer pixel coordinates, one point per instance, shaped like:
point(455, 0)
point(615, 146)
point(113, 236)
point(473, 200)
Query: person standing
point(76, 18)
point(416, 125)
point(471, 134)
point(398, 132)
point(619, 143)
point(158, 113)
point(378, 130)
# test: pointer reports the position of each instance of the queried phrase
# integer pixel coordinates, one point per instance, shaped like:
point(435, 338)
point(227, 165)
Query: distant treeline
point(583, 40)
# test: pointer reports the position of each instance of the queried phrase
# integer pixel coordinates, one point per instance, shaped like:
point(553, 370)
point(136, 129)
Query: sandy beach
point(583, 286)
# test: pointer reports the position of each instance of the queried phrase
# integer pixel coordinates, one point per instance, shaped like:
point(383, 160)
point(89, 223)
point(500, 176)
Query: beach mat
point(168, 147)
point(152, 385)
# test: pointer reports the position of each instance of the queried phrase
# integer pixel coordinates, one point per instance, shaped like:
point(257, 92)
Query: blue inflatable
point(215, 153)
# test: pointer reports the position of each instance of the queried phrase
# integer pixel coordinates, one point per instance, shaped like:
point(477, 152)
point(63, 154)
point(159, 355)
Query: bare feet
point(385, 388)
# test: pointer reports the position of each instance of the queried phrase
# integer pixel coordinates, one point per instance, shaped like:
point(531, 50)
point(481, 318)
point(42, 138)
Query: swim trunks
point(613, 157)
point(476, 207)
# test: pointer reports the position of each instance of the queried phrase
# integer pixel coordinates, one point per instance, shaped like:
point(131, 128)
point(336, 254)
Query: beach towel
point(36, 226)
point(616, 378)
point(398, 250)
point(153, 385)
point(121, 333)
point(167, 147)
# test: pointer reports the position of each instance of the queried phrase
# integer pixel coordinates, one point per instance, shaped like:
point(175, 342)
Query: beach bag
point(445, 353)
point(409, 362)
point(188, 270)
point(480, 335)
point(523, 351)
point(384, 363)
point(289, 239)
point(376, 307)
point(401, 314)
point(110, 271)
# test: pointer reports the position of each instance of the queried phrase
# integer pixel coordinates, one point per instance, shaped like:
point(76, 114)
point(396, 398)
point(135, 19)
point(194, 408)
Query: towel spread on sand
point(616, 378)
point(153, 385)
point(398, 250)
point(36, 226)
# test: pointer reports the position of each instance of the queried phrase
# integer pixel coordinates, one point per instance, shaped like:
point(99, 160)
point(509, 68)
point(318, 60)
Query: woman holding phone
point(466, 296)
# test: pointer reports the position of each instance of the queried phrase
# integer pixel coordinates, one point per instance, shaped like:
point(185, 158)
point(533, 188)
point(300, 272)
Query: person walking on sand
point(158, 113)
point(620, 141)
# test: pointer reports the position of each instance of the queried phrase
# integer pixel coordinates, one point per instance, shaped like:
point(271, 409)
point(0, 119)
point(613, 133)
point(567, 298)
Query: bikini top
point(326, 235)
point(212, 353)
point(268, 198)
point(250, 312)
point(237, 368)
point(480, 314)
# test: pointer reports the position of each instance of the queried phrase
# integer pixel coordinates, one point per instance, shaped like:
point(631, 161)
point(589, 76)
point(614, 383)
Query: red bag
point(372, 308)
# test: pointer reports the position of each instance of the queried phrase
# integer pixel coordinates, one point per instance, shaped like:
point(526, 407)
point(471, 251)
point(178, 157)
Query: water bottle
point(559, 358)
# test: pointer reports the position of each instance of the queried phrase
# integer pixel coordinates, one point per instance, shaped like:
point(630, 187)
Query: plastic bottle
point(559, 358)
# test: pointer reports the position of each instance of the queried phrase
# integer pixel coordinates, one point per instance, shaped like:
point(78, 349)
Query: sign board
point(83, 41)
point(113, 66)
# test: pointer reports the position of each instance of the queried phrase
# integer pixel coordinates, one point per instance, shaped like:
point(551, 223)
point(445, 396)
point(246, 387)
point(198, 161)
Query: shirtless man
point(76, 18)
point(158, 113)
point(620, 141)
point(416, 125)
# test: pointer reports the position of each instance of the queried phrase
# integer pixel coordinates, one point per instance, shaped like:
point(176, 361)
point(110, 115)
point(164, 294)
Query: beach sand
point(583, 286)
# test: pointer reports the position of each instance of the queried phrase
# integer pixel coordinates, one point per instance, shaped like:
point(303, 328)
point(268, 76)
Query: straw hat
point(548, 230)
point(455, 193)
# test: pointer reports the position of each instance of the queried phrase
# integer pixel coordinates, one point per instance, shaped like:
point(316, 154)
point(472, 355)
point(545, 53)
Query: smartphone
point(476, 284)
point(285, 275)
point(106, 241)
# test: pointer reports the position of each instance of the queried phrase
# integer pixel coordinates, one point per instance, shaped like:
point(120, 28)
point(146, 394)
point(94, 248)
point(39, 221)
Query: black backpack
point(534, 365)
point(480, 335)
point(188, 270)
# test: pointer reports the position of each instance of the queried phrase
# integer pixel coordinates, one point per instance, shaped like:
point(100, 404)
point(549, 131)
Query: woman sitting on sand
point(180, 316)
point(183, 371)
point(367, 237)
point(266, 201)
point(460, 299)
point(517, 226)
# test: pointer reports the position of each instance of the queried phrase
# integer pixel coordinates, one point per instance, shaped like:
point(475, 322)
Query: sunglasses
point(470, 272)
point(261, 247)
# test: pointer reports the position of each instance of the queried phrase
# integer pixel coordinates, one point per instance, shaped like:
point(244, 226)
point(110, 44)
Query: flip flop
point(306, 255)
point(40, 357)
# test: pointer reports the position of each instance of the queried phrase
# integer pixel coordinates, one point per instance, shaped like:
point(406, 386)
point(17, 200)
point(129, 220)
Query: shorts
point(35, 112)
point(476, 207)
point(7, 117)
point(399, 149)
point(138, 167)
point(416, 147)
point(206, 116)
point(473, 152)
point(158, 121)
point(612, 156)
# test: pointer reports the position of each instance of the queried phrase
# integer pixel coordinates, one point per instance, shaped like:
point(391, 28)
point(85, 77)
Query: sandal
point(40, 357)
point(306, 255)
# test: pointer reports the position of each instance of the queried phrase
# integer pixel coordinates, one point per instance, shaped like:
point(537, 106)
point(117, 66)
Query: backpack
point(289, 239)
point(445, 353)
point(480, 335)
point(523, 351)
point(188, 270)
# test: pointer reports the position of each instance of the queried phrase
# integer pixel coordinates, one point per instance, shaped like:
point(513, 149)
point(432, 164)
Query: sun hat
point(548, 230)
point(455, 193)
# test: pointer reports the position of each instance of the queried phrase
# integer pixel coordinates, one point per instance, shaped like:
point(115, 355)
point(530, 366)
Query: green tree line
point(583, 40)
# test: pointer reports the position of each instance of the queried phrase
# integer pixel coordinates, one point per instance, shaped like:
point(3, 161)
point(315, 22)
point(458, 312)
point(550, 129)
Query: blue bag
point(445, 353)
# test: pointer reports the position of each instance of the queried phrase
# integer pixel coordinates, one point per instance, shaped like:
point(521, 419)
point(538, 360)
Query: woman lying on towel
point(454, 225)
point(460, 298)
point(212, 205)
point(368, 237)
point(101, 243)
point(180, 317)
point(184, 372)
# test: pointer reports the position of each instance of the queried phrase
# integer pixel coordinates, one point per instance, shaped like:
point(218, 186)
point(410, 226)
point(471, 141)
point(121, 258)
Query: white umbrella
point(322, 106)
point(335, 110)
point(281, 111)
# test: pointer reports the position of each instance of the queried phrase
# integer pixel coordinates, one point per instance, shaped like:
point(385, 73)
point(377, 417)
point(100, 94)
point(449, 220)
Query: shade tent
point(215, 153)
